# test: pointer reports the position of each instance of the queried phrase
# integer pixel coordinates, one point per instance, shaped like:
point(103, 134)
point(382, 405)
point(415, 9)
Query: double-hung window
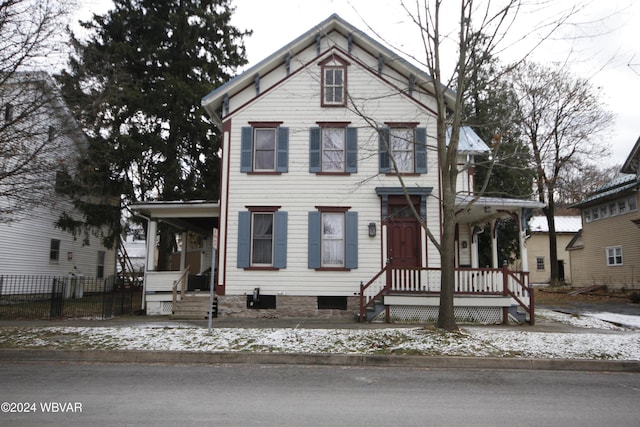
point(614, 255)
point(262, 238)
point(402, 148)
point(333, 148)
point(54, 251)
point(333, 239)
point(334, 82)
point(264, 148)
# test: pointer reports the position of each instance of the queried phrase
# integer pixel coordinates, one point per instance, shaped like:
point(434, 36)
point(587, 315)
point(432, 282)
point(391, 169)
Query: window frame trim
point(324, 65)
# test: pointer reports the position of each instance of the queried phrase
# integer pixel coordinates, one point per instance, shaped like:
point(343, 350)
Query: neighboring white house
point(30, 244)
point(567, 226)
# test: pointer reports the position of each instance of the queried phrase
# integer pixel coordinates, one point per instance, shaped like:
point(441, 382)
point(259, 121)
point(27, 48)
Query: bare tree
point(576, 183)
point(483, 30)
point(32, 121)
point(564, 122)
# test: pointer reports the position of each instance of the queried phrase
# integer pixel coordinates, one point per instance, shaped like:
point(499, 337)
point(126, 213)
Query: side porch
point(481, 295)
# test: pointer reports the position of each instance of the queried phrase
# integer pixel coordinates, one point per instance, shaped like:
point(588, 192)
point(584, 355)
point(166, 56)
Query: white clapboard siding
point(295, 101)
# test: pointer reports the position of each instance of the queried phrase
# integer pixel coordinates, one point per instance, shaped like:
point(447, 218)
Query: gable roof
point(213, 101)
point(632, 164)
point(469, 142)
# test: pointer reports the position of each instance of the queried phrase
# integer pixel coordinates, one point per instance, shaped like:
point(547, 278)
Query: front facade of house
point(30, 244)
point(328, 150)
point(607, 251)
point(567, 227)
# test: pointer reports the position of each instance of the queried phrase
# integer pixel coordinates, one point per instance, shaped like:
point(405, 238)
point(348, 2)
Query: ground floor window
point(540, 263)
point(614, 255)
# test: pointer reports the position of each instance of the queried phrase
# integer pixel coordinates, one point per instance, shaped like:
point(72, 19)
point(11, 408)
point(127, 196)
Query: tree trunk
point(554, 279)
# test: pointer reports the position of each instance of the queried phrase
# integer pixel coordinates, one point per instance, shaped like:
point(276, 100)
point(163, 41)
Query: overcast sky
point(608, 34)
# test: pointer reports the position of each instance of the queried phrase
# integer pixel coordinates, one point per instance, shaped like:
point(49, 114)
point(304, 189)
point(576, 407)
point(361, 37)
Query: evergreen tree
point(490, 109)
point(135, 86)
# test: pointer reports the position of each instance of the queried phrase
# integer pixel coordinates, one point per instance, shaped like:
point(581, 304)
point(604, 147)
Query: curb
point(360, 360)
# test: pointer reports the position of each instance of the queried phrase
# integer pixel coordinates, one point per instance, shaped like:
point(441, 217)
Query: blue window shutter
point(383, 153)
point(351, 240)
point(244, 239)
point(314, 150)
point(280, 237)
point(282, 159)
point(352, 150)
point(315, 220)
point(246, 149)
point(421, 150)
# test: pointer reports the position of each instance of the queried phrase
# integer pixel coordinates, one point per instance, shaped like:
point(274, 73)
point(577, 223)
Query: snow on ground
point(598, 339)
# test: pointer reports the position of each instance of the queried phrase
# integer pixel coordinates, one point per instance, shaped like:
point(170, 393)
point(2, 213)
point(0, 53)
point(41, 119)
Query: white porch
point(163, 290)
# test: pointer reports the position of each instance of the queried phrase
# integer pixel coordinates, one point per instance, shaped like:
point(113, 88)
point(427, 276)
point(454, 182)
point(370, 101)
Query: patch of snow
point(626, 320)
point(589, 322)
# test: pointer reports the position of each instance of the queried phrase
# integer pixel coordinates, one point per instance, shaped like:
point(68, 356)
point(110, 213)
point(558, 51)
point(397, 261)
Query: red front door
point(403, 235)
point(404, 243)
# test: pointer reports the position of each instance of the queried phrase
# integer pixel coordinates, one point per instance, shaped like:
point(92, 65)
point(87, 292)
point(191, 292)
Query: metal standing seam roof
point(564, 224)
point(614, 187)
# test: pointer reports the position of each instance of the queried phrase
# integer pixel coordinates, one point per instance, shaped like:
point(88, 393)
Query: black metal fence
point(54, 297)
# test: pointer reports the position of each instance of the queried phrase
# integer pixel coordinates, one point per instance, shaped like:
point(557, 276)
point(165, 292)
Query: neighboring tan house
point(34, 115)
point(607, 251)
point(538, 247)
point(313, 217)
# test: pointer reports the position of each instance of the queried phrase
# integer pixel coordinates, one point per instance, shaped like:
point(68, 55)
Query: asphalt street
point(225, 395)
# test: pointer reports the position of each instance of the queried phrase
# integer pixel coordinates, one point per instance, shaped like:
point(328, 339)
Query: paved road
point(115, 395)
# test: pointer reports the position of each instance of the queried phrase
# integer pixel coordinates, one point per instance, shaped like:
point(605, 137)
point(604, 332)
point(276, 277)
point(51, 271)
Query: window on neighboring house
point(100, 265)
point(54, 251)
point(614, 255)
point(404, 145)
point(587, 215)
point(540, 263)
point(333, 148)
point(8, 113)
point(262, 238)
point(333, 239)
point(334, 82)
point(264, 148)
point(633, 203)
point(63, 181)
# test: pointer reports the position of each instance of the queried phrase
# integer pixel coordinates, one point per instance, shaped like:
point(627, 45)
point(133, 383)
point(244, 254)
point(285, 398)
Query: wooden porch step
point(194, 308)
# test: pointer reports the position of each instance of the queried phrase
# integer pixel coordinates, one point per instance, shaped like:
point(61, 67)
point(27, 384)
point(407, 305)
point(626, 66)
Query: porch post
point(183, 252)
point(494, 244)
point(475, 261)
point(152, 230)
point(524, 255)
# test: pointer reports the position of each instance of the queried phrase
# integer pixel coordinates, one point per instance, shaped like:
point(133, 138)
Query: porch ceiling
point(487, 208)
point(199, 216)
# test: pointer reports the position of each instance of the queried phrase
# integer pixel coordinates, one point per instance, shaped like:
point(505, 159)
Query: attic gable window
point(334, 81)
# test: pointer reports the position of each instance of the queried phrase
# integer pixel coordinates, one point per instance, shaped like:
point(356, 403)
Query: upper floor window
point(610, 209)
point(264, 147)
point(402, 149)
point(262, 238)
point(334, 82)
point(333, 148)
point(8, 113)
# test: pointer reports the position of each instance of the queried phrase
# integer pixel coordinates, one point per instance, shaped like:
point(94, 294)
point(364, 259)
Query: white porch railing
point(468, 281)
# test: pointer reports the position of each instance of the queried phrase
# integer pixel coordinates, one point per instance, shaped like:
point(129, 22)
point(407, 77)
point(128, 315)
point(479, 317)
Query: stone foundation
point(286, 307)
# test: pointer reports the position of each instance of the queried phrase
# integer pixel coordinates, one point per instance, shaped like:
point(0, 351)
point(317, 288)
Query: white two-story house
point(328, 151)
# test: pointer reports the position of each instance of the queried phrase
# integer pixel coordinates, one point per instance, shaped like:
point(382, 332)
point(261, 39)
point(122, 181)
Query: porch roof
point(485, 208)
point(200, 216)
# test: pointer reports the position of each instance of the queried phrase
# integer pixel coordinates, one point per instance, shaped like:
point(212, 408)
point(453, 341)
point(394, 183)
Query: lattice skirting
point(427, 314)
point(166, 307)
